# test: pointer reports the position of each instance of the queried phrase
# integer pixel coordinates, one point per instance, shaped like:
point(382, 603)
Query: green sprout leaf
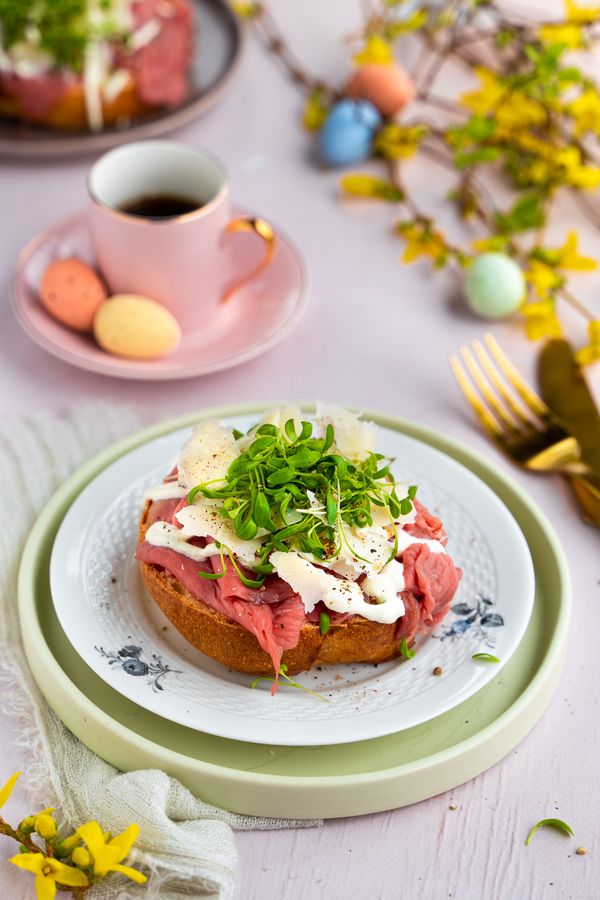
point(324, 623)
point(295, 492)
point(485, 657)
point(527, 213)
point(406, 651)
point(290, 681)
point(477, 157)
point(550, 823)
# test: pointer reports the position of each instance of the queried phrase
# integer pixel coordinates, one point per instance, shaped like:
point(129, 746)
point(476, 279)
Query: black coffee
point(160, 206)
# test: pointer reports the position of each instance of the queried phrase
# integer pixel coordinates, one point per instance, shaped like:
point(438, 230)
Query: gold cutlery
point(519, 422)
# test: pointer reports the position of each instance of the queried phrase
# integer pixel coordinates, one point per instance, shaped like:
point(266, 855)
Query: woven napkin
point(185, 846)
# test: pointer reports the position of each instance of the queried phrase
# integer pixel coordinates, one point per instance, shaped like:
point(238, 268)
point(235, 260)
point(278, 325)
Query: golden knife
point(565, 390)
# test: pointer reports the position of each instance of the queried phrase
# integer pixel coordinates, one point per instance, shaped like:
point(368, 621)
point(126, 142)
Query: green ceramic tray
point(308, 782)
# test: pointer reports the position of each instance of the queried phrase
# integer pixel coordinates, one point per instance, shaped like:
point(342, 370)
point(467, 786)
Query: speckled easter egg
point(347, 135)
point(387, 85)
point(136, 327)
point(494, 285)
point(72, 292)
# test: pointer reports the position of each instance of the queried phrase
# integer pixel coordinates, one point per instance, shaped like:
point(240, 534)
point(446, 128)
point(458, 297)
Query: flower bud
point(81, 857)
point(66, 845)
point(45, 826)
point(27, 826)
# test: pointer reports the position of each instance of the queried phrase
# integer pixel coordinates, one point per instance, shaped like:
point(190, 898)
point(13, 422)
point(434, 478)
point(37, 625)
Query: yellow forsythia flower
point(496, 243)
point(568, 256)
point(315, 111)
point(47, 872)
point(399, 141)
point(7, 789)
point(583, 14)
point(591, 353)
point(488, 95)
point(542, 278)
point(541, 320)
point(246, 10)
point(585, 112)
point(511, 108)
point(569, 34)
point(358, 184)
point(375, 50)
point(585, 177)
point(421, 241)
point(108, 855)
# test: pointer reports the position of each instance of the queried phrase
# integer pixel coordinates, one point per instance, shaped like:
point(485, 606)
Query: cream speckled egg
point(136, 327)
point(388, 86)
point(72, 292)
point(494, 285)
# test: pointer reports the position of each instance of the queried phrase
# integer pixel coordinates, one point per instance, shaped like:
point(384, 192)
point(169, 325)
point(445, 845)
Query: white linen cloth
point(185, 846)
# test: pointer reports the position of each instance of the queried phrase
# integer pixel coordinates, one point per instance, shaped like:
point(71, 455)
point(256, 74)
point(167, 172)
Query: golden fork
point(520, 423)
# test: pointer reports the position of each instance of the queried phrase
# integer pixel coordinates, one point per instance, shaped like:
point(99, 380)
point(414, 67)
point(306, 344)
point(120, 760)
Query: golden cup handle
point(266, 233)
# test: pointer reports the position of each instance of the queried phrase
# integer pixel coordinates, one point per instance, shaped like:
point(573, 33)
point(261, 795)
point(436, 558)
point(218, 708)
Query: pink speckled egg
point(388, 86)
point(71, 291)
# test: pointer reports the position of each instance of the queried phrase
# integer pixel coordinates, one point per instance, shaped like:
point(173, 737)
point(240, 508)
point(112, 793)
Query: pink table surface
point(376, 335)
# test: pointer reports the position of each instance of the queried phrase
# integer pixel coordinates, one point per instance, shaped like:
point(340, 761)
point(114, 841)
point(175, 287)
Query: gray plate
point(218, 50)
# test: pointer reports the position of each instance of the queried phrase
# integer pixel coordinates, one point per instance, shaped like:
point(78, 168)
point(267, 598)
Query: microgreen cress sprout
point(551, 823)
point(324, 623)
point(301, 494)
point(406, 651)
point(485, 657)
point(290, 681)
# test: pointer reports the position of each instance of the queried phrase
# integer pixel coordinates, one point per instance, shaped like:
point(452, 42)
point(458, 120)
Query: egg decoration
point(387, 86)
point(71, 291)
point(136, 327)
point(347, 135)
point(494, 285)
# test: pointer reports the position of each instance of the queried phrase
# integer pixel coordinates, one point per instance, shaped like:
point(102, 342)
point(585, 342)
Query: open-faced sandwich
point(77, 64)
point(293, 544)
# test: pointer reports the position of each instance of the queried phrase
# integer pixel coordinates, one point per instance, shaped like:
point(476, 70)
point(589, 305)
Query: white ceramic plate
point(117, 629)
point(218, 51)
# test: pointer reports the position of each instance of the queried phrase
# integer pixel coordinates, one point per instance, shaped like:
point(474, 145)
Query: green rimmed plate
point(332, 781)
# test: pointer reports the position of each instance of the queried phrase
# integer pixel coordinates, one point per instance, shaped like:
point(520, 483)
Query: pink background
point(376, 334)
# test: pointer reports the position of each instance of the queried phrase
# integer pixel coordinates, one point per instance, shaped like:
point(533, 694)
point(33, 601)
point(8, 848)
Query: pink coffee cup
point(184, 262)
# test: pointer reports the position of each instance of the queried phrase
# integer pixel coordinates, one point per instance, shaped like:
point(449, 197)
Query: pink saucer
point(259, 316)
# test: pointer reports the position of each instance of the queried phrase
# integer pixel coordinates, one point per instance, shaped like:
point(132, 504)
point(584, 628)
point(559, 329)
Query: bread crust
point(354, 641)
point(70, 113)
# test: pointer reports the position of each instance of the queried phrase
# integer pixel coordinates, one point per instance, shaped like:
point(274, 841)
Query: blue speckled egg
point(494, 285)
point(347, 135)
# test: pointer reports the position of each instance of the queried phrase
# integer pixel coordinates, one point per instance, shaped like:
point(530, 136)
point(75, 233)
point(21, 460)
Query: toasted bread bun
point(70, 113)
point(356, 641)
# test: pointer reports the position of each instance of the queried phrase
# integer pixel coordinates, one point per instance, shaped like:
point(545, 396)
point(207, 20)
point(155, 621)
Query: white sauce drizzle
point(145, 34)
point(115, 85)
point(169, 490)
point(385, 586)
point(163, 534)
point(405, 540)
point(338, 594)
